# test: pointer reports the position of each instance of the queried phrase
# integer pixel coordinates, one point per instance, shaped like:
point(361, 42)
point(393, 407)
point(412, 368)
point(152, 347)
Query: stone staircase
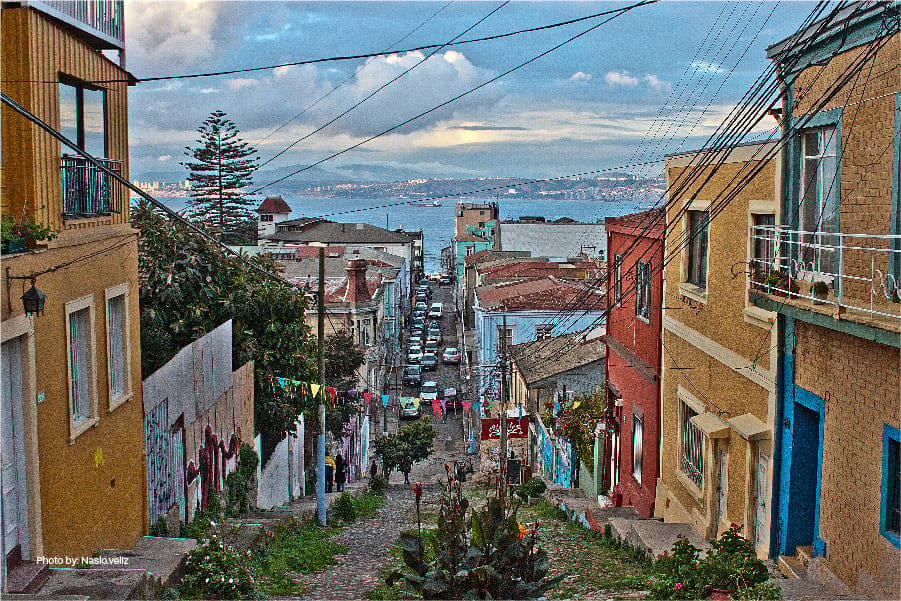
point(24, 576)
point(804, 580)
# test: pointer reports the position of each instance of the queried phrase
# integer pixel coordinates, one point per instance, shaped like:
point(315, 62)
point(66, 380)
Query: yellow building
point(718, 385)
point(73, 469)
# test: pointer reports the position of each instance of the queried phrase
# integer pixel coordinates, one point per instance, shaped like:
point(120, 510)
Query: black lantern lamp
point(33, 300)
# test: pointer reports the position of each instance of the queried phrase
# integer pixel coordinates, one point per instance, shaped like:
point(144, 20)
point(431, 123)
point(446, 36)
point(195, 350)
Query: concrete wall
point(283, 475)
point(553, 240)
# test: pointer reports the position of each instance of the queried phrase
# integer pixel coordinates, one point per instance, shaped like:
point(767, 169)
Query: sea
point(437, 223)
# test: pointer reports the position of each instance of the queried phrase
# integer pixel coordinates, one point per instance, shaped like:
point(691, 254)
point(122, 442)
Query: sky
point(654, 80)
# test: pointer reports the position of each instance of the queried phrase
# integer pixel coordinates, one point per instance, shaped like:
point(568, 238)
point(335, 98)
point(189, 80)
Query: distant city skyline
point(655, 80)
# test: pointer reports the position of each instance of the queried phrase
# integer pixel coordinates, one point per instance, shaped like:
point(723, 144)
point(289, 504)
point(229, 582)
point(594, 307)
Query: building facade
point(73, 468)
point(719, 361)
point(631, 432)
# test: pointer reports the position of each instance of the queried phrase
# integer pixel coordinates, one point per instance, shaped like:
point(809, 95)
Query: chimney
point(357, 290)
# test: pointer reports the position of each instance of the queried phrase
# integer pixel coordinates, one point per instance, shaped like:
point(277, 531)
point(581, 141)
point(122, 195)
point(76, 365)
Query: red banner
point(517, 427)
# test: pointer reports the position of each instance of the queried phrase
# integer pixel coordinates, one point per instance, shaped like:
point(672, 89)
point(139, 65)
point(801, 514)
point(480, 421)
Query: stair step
point(791, 567)
point(805, 554)
point(26, 577)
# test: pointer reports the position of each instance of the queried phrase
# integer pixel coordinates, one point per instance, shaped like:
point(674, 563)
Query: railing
point(101, 18)
point(87, 190)
point(850, 271)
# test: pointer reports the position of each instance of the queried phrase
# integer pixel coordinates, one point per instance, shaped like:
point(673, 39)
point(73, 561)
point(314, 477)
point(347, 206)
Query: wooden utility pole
point(503, 404)
point(320, 447)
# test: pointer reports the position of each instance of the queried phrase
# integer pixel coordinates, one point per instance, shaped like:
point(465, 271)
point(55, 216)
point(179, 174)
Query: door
point(12, 450)
point(722, 468)
point(760, 505)
point(803, 477)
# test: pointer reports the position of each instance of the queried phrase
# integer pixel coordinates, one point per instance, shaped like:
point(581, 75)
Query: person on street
point(373, 469)
point(329, 472)
point(340, 471)
point(405, 467)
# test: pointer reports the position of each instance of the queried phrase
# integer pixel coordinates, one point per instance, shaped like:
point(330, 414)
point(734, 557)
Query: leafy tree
point(342, 359)
point(222, 166)
point(410, 444)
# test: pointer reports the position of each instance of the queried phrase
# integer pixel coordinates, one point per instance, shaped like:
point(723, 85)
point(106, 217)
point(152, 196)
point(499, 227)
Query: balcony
point(87, 190)
point(846, 276)
point(101, 19)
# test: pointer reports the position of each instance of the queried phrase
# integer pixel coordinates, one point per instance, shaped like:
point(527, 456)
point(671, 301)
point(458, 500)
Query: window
point(617, 279)
point(692, 445)
point(643, 290)
point(543, 331)
point(80, 342)
point(504, 337)
point(637, 445)
point(819, 198)
point(83, 116)
point(117, 347)
point(890, 514)
point(267, 218)
point(763, 243)
point(698, 223)
point(469, 250)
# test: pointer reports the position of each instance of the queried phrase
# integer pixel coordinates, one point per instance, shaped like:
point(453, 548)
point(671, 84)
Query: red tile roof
point(649, 224)
point(274, 204)
point(469, 260)
point(548, 294)
point(528, 269)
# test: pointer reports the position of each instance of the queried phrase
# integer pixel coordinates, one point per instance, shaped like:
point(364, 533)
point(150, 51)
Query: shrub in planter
point(732, 564)
point(535, 487)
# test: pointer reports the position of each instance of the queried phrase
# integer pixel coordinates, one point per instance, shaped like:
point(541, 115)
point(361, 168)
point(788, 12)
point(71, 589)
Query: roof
point(471, 238)
point(649, 224)
point(558, 239)
point(490, 254)
point(541, 359)
point(539, 294)
point(274, 204)
point(330, 232)
point(538, 268)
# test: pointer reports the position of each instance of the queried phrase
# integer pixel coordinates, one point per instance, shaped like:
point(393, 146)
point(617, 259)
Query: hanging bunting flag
point(331, 392)
point(465, 405)
point(352, 392)
point(476, 407)
point(443, 404)
point(367, 396)
point(314, 388)
point(416, 402)
point(385, 399)
point(282, 382)
point(577, 403)
point(556, 407)
point(436, 408)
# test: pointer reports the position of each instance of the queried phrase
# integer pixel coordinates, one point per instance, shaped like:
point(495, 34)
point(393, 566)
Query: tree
point(410, 444)
point(221, 168)
point(342, 359)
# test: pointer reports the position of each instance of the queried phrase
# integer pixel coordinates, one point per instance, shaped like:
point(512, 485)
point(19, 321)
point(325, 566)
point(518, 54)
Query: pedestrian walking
point(405, 467)
point(461, 470)
point(373, 469)
point(329, 472)
point(340, 471)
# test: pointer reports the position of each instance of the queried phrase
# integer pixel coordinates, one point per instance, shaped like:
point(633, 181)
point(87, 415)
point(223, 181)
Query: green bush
point(534, 487)
point(344, 508)
point(367, 504)
point(378, 484)
point(204, 517)
point(217, 571)
point(159, 528)
point(239, 482)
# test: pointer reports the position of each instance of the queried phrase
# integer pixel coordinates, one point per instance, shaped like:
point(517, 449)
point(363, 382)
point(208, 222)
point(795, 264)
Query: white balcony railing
point(856, 272)
point(102, 19)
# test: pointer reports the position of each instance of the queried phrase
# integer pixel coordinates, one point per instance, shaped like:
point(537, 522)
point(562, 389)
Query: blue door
point(804, 474)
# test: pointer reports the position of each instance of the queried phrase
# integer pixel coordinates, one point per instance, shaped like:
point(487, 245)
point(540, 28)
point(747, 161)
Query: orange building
point(73, 477)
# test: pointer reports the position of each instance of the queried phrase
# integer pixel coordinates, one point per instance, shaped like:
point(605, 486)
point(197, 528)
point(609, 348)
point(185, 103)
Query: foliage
point(577, 423)
point(342, 359)
point(534, 487)
point(367, 504)
point(411, 443)
point(216, 571)
point(344, 509)
point(759, 592)
point(189, 286)
point(240, 481)
point(159, 528)
point(221, 168)
point(378, 484)
point(293, 546)
point(731, 565)
point(488, 556)
point(820, 288)
point(204, 518)
point(24, 227)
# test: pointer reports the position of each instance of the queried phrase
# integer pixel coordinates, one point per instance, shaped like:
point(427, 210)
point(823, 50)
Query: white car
point(428, 392)
point(414, 355)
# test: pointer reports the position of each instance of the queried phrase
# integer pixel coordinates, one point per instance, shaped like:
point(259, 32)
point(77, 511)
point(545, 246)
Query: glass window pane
point(812, 143)
point(68, 117)
point(94, 123)
point(116, 341)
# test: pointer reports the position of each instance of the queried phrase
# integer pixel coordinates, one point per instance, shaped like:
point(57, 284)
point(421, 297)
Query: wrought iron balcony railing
point(858, 272)
point(87, 190)
point(101, 19)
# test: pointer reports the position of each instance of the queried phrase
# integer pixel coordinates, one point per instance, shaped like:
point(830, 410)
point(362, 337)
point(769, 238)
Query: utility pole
point(320, 447)
point(503, 403)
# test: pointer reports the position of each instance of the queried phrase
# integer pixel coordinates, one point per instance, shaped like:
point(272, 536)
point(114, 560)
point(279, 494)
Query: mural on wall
point(215, 461)
point(164, 447)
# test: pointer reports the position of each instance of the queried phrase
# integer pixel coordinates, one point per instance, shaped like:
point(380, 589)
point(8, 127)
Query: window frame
point(643, 270)
point(834, 188)
point(637, 426)
point(80, 86)
point(543, 331)
point(697, 266)
point(115, 292)
point(687, 403)
point(78, 427)
point(889, 435)
point(617, 280)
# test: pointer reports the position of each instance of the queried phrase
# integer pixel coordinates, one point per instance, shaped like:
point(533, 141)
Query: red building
point(634, 301)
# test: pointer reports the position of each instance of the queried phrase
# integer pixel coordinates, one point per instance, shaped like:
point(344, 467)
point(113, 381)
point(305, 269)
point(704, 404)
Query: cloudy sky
point(653, 80)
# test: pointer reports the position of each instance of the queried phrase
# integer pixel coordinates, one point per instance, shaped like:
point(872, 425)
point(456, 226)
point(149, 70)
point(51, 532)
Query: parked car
point(451, 355)
point(422, 297)
point(416, 335)
point(446, 280)
point(417, 321)
point(424, 281)
point(409, 410)
point(435, 277)
point(429, 361)
point(412, 375)
point(429, 391)
point(431, 346)
point(414, 355)
point(434, 334)
point(435, 310)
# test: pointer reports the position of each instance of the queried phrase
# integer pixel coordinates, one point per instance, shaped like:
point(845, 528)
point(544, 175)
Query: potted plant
point(11, 241)
point(23, 233)
point(820, 291)
point(531, 490)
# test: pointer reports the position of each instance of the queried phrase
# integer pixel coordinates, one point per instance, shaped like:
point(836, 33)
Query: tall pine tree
point(223, 166)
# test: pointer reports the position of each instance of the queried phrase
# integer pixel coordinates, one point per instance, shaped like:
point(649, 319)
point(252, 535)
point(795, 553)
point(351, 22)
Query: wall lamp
point(33, 300)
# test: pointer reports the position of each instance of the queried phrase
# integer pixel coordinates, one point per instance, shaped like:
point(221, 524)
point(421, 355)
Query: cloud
point(477, 127)
point(657, 83)
point(705, 67)
point(620, 78)
point(237, 83)
point(580, 76)
point(164, 158)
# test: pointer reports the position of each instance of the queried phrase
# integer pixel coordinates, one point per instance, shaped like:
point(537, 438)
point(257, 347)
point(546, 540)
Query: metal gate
point(165, 463)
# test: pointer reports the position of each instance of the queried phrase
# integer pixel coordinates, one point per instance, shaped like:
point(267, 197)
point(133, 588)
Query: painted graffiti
point(164, 450)
point(212, 463)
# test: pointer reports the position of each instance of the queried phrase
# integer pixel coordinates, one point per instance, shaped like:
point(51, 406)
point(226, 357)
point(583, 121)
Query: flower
point(679, 585)
point(522, 531)
point(417, 490)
